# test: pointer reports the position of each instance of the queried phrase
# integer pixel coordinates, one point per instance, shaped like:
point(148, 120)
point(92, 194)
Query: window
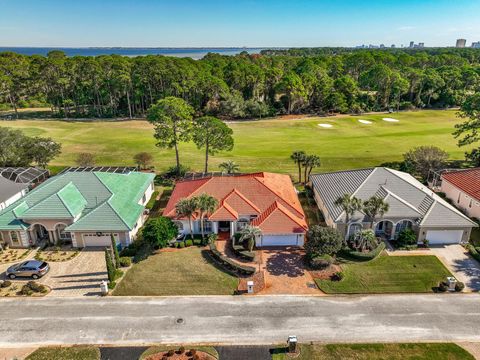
point(207, 226)
point(144, 199)
point(179, 225)
point(403, 225)
point(354, 228)
point(14, 237)
point(470, 205)
point(242, 223)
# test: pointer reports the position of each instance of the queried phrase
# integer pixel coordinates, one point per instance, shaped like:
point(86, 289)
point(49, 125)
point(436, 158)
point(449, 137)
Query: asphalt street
point(239, 320)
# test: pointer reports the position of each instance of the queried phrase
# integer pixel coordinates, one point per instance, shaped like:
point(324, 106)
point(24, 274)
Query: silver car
point(31, 268)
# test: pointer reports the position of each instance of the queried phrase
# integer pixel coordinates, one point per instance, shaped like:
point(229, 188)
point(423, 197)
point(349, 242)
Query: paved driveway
point(462, 266)
point(80, 276)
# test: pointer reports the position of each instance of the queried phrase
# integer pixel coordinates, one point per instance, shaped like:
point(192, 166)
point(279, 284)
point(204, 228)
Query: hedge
point(241, 252)
point(152, 200)
point(474, 252)
point(229, 264)
point(361, 256)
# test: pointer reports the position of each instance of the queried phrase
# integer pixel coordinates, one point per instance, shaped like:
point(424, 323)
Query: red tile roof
point(270, 196)
point(467, 181)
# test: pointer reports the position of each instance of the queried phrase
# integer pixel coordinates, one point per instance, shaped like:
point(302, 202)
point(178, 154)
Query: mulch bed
point(201, 356)
point(258, 283)
point(327, 273)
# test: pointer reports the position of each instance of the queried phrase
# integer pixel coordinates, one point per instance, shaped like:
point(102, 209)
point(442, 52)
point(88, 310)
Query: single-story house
point(265, 200)
point(83, 208)
point(10, 192)
point(411, 205)
point(462, 187)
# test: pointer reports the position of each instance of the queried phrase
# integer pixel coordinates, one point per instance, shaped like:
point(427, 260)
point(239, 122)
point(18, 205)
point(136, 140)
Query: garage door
point(279, 240)
point(444, 236)
point(100, 239)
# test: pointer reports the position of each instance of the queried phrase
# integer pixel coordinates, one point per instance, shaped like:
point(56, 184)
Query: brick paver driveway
point(80, 276)
point(463, 267)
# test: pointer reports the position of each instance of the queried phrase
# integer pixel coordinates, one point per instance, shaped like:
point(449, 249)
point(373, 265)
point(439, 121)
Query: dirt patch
point(12, 255)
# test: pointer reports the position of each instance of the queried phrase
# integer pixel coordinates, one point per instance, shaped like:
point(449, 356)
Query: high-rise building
point(421, 45)
point(476, 45)
point(461, 43)
point(412, 44)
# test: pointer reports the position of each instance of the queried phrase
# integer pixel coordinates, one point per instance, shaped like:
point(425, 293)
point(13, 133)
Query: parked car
point(31, 268)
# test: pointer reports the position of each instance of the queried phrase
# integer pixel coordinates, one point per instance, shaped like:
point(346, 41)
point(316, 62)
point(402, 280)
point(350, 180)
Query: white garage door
point(444, 236)
point(279, 240)
point(100, 239)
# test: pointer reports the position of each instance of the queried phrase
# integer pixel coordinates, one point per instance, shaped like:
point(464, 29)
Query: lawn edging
point(361, 256)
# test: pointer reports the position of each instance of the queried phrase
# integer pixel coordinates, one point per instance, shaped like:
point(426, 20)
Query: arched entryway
point(384, 229)
point(39, 233)
point(65, 237)
point(353, 229)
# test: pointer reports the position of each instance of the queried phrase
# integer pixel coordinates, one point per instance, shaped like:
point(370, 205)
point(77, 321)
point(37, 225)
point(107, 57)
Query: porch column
point(233, 224)
point(52, 236)
point(394, 228)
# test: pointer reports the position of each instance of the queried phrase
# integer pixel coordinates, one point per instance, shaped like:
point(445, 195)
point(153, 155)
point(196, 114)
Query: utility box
point(292, 344)
point(104, 288)
point(451, 282)
point(250, 287)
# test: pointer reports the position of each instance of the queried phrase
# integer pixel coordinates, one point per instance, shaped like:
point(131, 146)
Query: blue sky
point(185, 23)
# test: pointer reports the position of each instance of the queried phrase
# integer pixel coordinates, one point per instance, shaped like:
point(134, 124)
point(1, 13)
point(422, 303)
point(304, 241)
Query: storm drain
point(180, 321)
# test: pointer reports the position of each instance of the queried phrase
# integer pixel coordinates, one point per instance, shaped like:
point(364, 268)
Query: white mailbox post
point(292, 344)
point(104, 288)
point(451, 282)
point(250, 287)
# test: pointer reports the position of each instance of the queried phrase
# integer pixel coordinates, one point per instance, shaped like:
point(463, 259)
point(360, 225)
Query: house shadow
point(286, 262)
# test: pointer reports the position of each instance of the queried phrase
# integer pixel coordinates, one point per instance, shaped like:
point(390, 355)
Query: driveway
point(285, 272)
point(462, 266)
point(80, 276)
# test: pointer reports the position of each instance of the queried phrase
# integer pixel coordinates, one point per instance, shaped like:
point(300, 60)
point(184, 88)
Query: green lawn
point(66, 353)
point(182, 272)
point(379, 352)
point(388, 274)
point(261, 145)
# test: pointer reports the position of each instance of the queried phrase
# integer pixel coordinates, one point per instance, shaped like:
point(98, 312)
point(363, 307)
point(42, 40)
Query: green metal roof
point(96, 200)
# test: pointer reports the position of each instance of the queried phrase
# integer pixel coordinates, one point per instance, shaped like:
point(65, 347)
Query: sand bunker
point(325, 125)
point(365, 122)
point(390, 120)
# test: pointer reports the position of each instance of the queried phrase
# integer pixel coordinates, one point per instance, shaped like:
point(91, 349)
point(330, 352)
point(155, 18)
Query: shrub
point(6, 284)
point(152, 201)
point(229, 264)
point(197, 242)
point(109, 265)
point(338, 276)
point(111, 285)
point(240, 250)
point(181, 350)
point(170, 353)
point(321, 262)
point(459, 286)
point(188, 243)
point(212, 238)
point(125, 261)
point(323, 240)
point(406, 237)
point(364, 256)
point(32, 287)
point(181, 244)
point(128, 252)
point(159, 231)
point(473, 251)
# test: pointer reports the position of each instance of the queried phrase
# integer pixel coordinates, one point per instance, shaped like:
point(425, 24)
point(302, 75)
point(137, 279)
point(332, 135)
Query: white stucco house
point(462, 187)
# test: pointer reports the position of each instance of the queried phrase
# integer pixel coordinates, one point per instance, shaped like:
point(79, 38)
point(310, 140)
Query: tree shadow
point(285, 262)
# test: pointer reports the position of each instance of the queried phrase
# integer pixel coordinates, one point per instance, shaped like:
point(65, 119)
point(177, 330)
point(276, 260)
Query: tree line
point(242, 86)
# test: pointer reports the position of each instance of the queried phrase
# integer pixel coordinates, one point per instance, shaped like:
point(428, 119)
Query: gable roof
point(250, 194)
point(10, 188)
point(467, 181)
point(88, 198)
point(406, 196)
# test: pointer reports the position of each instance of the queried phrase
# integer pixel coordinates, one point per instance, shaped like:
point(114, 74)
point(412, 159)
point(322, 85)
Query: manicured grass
point(388, 274)
point(378, 352)
point(263, 145)
point(182, 272)
point(66, 353)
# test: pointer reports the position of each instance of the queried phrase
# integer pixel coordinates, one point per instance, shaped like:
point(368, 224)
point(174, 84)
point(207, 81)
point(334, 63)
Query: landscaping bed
point(180, 353)
point(56, 254)
point(66, 353)
point(240, 251)
point(388, 274)
point(13, 255)
point(376, 352)
point(229, 264)
point(177, 272)
point(21, 289)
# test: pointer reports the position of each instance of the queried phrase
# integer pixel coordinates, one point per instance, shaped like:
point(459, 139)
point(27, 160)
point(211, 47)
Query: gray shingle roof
point(9, 188)
point(407, 197)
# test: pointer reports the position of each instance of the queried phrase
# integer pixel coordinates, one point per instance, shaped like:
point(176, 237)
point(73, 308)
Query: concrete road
point(239, 320)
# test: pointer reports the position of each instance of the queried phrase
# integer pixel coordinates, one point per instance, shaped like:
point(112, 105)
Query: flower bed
point(364, 256)
point(29, 289)
point(240, 251)
point(56, 254)
point(181, 353)
point(12, 255)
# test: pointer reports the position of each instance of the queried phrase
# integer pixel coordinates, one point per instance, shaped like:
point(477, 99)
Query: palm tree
point(349, 204)
point(373, 207)
point(313, 162)
point(186, 208)
point(249, 233)
point(229, 166)
point(206, 204)
point(298, 157)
